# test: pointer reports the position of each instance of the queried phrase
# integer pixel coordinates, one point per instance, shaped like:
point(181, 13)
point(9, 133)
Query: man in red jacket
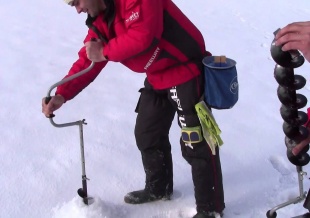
point(156, 38)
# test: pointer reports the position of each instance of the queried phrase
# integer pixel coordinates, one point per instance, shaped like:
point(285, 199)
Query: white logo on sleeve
point(133, 16)
point(152, 58)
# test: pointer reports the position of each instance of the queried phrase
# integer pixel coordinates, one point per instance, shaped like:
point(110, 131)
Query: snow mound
point(77, 209)
point(182, 213)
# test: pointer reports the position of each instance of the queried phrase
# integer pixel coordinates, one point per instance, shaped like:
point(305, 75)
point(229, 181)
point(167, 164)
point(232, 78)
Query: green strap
point(210, 129)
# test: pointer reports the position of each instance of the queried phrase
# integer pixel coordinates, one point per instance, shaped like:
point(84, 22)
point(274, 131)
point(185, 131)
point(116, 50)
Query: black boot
point(144, 196)
point(158, 184)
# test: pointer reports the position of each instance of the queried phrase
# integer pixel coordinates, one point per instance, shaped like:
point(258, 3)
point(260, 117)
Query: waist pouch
point(221, 82)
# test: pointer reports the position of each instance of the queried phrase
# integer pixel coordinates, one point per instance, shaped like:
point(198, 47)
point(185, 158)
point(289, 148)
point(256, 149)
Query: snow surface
point(40, 168)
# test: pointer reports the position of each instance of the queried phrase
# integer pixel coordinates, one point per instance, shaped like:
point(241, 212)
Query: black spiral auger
point(294, 119)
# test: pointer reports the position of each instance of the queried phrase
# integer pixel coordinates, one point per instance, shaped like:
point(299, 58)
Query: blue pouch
point(221, 82)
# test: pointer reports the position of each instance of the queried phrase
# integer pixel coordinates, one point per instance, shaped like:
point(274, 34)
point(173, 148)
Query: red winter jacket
point(154, 37)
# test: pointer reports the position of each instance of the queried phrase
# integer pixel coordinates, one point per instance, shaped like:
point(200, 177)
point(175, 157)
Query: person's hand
point(295, 36)
point(55, 103)
point(94, 51)
point(299, 147)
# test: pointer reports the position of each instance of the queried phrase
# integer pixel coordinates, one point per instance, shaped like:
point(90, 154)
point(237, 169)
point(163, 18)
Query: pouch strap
point(192, 134)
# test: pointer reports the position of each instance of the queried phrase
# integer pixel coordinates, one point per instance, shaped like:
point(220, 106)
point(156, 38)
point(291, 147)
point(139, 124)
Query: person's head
point(92, 7)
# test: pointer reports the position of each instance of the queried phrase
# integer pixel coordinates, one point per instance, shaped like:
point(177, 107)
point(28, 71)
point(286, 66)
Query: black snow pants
point(156, 110)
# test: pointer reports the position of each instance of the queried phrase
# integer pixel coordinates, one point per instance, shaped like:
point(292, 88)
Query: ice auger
point(294, 119)
point(82, 192)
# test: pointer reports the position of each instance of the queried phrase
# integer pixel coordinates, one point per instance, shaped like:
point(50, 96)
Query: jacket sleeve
point(144, 23)
point(70, 89)
point(307, 124)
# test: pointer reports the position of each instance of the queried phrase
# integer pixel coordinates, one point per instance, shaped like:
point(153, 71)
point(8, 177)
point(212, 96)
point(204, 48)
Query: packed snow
point(40, 168)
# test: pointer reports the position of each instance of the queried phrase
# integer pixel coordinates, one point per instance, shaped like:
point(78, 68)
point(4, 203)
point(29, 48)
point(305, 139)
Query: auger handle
point(48, 97)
